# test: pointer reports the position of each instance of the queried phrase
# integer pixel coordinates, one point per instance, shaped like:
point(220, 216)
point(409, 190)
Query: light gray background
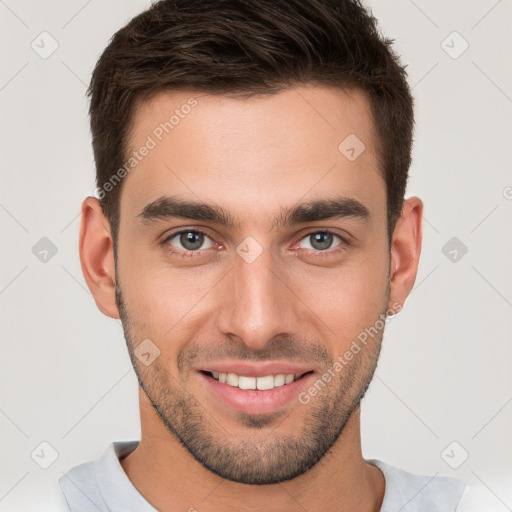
point(444, 375)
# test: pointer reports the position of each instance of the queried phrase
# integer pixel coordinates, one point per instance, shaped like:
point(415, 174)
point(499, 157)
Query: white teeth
point(265, 382)
point(279, 380)
point(247, 382)
point(232, 379)
point(261, 383)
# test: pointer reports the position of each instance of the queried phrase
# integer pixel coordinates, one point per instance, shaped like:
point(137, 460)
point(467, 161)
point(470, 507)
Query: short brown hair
point(249, 47)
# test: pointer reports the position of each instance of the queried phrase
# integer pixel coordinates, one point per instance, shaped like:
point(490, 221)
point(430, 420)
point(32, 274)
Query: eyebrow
point(168, 207)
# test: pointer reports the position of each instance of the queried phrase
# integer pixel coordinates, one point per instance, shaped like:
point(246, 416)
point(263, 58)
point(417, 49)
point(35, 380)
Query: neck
point(170, 479)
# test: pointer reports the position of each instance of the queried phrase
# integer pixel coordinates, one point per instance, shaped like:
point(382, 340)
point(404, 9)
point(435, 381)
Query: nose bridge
point(258, 304)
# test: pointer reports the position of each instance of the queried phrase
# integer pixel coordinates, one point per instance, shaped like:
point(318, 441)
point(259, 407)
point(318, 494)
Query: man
point(251, 232)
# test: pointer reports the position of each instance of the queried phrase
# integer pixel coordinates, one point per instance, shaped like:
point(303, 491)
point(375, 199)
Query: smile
point(255, 389)
point(261, 383)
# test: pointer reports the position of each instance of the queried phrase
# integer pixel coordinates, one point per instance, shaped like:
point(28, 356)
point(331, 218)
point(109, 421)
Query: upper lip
point(249, 369)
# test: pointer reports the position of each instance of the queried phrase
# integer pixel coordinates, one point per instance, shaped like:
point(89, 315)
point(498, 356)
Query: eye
point(191, 240)
point(322, 241)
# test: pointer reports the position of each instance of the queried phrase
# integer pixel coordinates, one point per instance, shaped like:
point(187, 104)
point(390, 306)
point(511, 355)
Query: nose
point(258, 303)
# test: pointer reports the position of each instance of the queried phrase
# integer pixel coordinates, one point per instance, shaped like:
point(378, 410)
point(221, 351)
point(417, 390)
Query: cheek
point(350, 298)
point(166, 304)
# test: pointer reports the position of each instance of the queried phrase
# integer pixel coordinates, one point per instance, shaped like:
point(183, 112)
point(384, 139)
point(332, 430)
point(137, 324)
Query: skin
point(254, 157)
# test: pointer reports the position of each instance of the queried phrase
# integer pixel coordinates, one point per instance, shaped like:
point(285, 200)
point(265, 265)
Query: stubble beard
point(258, 460)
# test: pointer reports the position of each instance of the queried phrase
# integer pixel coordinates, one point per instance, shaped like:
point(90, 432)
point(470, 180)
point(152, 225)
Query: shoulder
point(99, 484)
point(79, 486)
point(418, 493)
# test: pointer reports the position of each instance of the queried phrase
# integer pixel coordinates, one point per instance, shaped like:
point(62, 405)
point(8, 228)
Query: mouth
point(256, 390)
point(263, 383)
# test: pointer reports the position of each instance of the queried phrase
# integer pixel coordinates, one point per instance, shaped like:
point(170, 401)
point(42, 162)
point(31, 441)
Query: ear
point(97, 256)
point(405, 252)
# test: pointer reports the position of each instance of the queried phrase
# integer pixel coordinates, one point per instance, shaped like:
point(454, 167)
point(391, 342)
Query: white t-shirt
point(102, 485)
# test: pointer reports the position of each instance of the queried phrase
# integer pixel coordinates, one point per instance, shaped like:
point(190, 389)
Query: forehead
point(260, 153)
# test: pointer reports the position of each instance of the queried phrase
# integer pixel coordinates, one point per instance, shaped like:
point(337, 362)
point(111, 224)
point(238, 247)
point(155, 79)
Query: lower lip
point(253, 401)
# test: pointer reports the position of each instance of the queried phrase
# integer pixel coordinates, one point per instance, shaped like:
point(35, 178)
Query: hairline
point(143, 97)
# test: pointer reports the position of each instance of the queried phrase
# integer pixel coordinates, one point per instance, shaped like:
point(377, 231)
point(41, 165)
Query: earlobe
point(405, 252)
point(97, 256)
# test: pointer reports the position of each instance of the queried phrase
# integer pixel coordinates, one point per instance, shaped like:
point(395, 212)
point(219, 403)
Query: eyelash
point(191, 254)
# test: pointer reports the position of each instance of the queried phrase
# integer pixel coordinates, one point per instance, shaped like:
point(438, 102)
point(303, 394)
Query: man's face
point(262, 297)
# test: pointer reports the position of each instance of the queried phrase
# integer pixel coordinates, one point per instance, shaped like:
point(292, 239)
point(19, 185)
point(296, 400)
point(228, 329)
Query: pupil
point(187, 240)
point(322, 240)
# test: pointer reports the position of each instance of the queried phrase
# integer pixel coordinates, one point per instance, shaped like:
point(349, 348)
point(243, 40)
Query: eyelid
point(318, 253)
point(344, 241)
point(174, 234)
